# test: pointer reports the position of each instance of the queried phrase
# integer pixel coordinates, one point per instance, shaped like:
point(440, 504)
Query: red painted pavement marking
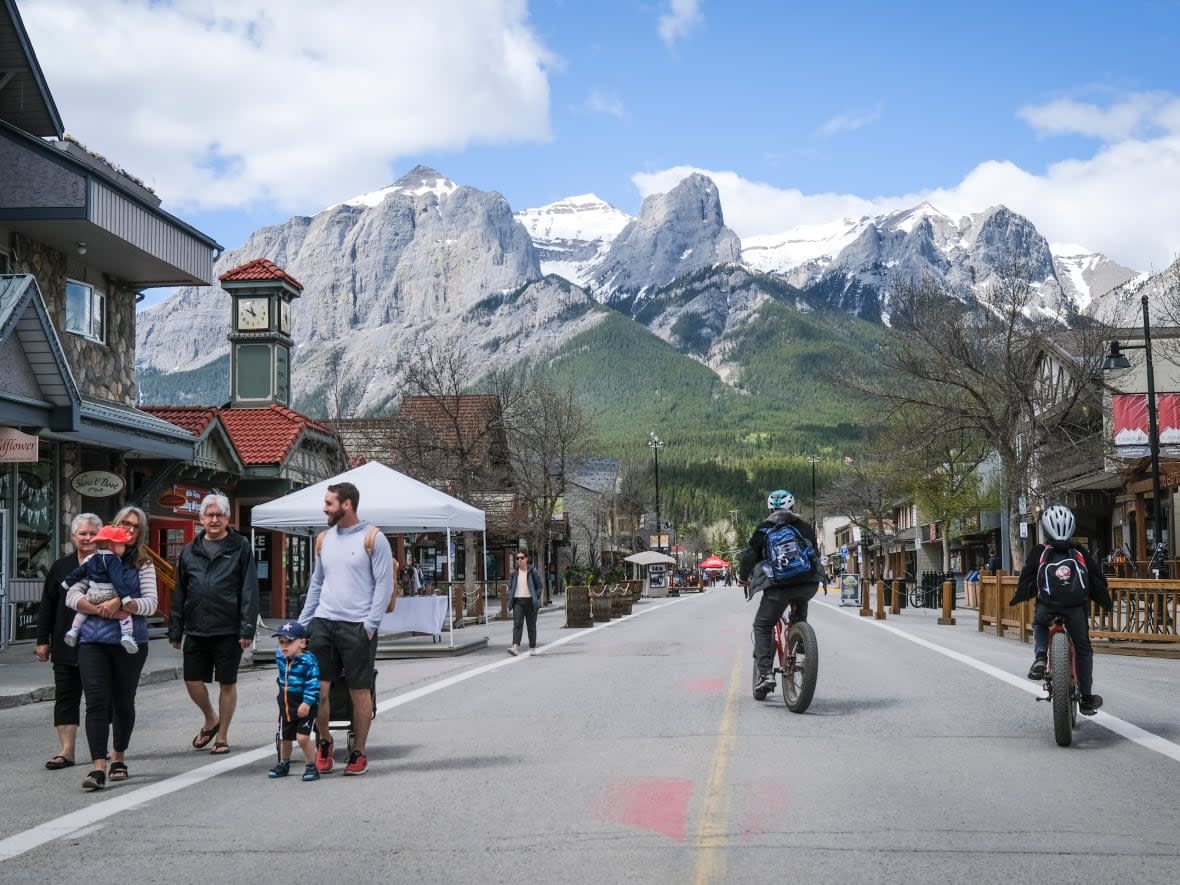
point(652, 803)
point(710, 685)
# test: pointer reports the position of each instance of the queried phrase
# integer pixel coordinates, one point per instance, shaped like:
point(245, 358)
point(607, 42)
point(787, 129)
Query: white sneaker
point(129, 645)
point(513, 650)
point(71, 637)
point(532, 652)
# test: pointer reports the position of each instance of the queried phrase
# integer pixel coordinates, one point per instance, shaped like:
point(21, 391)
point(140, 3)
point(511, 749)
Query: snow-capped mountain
point(425, 261)
point(572, 234)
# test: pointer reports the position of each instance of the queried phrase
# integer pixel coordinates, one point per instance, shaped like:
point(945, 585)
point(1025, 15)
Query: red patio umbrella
point(714, 561)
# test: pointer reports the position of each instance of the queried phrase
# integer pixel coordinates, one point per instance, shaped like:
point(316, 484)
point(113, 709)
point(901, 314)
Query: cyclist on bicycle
point(1063, 578)
point(776, 596)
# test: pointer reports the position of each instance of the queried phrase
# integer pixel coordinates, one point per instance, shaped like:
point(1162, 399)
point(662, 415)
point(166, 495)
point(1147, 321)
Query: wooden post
point(895, 608)
point(880, 615)
point(948, 597)
point(503, 616)
point(865, 610)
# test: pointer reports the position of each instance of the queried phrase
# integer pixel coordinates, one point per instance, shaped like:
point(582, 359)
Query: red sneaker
point(323, 756)
point(357, 763)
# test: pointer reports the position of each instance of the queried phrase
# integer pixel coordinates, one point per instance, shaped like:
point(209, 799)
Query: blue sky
point(242, 113)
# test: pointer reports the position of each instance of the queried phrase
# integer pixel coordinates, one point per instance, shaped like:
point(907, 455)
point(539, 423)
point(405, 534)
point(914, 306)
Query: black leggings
point(110, 678)
point(524, 612)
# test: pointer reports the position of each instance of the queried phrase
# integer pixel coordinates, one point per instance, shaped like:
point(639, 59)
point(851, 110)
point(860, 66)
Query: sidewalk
point(25, 680)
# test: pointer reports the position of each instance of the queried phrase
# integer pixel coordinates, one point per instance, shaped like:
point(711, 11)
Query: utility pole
point(655, 444)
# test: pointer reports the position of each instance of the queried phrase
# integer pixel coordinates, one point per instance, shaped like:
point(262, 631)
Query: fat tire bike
point(796, 653)
point(1061, 682)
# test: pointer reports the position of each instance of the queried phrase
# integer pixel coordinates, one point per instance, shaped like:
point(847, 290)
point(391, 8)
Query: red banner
point(1129, 411)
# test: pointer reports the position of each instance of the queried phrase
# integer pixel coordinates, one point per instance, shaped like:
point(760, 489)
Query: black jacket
point(755, 551)
point(1029, 580)
point(54, 617)
point(215, 596)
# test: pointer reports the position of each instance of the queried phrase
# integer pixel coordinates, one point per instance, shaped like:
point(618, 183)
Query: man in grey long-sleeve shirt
point(349, 592)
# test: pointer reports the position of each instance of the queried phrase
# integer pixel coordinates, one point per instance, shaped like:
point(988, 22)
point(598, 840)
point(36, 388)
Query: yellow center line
point(712, 835)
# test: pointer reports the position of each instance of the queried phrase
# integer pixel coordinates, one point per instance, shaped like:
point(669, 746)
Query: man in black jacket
point(215, 610)
point(776, 596)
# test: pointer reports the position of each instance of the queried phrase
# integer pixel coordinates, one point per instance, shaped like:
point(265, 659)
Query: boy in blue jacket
point(299, 697)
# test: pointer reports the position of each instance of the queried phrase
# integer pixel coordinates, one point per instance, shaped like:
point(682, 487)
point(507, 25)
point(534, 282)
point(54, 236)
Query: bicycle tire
point(918, 598)
point(799, 677)
point(1061, 689)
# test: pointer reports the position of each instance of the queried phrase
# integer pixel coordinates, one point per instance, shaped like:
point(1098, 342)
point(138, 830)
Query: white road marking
point(1121, 727)
point(70, 824)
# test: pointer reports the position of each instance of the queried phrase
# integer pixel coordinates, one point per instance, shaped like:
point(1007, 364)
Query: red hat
point(113, 533)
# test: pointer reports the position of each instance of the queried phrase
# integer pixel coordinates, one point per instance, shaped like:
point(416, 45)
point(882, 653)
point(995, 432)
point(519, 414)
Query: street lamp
point(1116, 360)
point(813, 459)
point(655, 444)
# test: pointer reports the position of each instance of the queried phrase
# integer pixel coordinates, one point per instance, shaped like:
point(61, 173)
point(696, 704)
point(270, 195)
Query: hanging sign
point(97, 483)
point(17, 447)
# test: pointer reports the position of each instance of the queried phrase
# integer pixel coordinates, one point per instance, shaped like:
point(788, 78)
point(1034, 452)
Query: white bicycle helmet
point(1058, 522)
point(780, 499)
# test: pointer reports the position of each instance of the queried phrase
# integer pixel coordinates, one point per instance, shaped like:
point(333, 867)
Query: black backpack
point(1063, 579)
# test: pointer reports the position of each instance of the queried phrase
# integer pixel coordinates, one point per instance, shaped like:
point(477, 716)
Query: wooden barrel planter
point(620, 601)
point(600, 604)
point(577, 606)
point(636, 588)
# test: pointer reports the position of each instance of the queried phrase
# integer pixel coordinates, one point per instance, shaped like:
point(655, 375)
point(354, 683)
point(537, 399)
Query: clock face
point(285, 317)
point(253, 313)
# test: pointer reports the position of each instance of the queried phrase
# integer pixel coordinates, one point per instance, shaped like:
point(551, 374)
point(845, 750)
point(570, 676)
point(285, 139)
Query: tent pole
point(451, 574)
point(484, 535)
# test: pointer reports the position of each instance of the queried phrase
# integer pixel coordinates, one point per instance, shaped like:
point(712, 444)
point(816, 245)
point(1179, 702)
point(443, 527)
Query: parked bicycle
point(797, 656)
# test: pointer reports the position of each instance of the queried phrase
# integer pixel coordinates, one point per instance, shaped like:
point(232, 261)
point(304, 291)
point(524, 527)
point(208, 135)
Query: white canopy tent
point(392, 501)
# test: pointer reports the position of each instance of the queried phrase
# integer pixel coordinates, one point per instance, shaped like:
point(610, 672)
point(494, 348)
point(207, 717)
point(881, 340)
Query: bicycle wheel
point(917, 598)
point(1061, 688)
point(802, 667)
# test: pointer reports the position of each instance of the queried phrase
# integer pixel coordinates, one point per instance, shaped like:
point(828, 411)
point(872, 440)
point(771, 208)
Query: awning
point(111, 425)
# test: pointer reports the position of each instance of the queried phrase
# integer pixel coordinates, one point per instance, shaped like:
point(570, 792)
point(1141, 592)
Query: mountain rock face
point(1122, 305)
point(676, 233)
point(426, 262)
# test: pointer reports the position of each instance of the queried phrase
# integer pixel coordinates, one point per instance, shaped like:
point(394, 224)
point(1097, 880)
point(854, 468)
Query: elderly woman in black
point(110, 676)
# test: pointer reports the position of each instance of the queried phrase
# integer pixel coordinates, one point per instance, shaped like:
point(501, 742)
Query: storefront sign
point(182, 500)
point(97, 483)
point(17, 447)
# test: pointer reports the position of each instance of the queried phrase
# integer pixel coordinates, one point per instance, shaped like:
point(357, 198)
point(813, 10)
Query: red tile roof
point(194, 419)
point(260, 269)
point(266, 436)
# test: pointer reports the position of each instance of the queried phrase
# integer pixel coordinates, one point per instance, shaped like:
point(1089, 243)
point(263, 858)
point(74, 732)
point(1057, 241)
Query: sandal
point(96, 780)
point(201, 741)
point(118, 772)
point(58, 762)
point(220, 748)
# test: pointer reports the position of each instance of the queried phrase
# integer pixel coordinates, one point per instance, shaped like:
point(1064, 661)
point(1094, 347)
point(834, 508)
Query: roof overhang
point(37, 389)
point(25, 100)
point(111, 425)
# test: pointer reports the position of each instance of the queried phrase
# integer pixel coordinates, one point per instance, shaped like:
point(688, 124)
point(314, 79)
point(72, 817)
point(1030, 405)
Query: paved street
point(633, 752)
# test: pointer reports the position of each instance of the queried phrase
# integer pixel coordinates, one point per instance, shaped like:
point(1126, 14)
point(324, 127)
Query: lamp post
point(655, 444)
point(813, 459)
point(1115, 360)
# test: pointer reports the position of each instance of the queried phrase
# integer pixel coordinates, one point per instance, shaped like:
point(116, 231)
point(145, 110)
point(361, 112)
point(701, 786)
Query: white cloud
point(1135, 115)
point(601, 103)
point(681, 18)
point(850, 122)
point(223, 104)
point(1121, 201)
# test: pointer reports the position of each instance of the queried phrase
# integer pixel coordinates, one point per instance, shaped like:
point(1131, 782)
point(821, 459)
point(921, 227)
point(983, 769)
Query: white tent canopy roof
point(390, 500)
point(650, 557)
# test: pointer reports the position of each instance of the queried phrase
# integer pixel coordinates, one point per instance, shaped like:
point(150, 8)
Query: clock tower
point(260, 333)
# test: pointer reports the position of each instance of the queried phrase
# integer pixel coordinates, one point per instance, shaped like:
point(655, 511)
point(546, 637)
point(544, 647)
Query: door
point(5, 614)
point(168, 537)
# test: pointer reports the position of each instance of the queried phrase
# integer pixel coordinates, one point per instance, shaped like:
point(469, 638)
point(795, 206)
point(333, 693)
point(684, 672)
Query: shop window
point(85, 311)
point(5, 261)
point(28, 493)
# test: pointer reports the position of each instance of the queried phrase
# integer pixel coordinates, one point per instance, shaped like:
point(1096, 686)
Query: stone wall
point(106, 370)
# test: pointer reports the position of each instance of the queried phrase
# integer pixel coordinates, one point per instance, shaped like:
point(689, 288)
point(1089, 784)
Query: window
point(5, 261)
point(85, 311)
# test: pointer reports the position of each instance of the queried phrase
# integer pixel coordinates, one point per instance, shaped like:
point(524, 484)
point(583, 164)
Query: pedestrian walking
point(299, 697)
point(53, 619)
point(215, 613)
point(524, 595)
point(100, 577)
point(110, 676)
point(350, 591)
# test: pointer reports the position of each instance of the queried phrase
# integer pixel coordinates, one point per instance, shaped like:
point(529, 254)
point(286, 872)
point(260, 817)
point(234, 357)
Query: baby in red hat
point(101, 576)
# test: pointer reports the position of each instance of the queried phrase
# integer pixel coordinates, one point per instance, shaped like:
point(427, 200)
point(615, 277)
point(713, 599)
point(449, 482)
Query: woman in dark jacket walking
point(524, 598)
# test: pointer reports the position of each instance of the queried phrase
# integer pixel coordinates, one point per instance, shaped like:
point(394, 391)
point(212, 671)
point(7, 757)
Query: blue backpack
point(789, 555)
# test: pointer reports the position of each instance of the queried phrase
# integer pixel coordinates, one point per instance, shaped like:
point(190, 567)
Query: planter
point(577, 606)
point(600, 604)
point(620, 601)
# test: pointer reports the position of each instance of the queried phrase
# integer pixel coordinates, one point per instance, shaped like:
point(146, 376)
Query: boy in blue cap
point(299, 697)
